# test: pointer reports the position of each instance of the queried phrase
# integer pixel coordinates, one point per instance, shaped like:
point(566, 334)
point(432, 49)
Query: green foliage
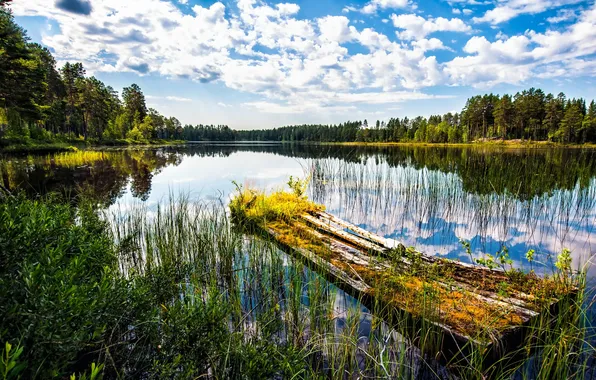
point(10, 366)
point(96, 373)
point(563, 262)
point(501, 258)
point(57, 282)
point(147, 128)
point(135, 135)
point(487, 261)
point(298, 186)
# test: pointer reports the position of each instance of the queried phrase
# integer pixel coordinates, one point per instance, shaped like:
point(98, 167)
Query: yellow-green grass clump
point(76, 159)
point(280, 206)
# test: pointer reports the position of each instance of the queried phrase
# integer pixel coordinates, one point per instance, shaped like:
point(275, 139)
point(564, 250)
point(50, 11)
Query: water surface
point(426, 197)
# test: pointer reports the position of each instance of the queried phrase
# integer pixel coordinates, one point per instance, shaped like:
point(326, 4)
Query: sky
point(261, 64)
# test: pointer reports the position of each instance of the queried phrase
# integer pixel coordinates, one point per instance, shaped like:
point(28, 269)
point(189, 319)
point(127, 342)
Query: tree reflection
point(520, 173)
point(105, 176)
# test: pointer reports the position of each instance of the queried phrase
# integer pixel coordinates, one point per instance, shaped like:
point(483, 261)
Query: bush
point(58, 284)
point(135, 135)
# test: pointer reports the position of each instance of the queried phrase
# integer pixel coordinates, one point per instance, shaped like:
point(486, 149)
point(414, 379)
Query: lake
point(426, 197)
point(430, 198)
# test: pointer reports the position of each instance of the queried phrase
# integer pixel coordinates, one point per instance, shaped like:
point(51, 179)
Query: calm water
point(426, 197)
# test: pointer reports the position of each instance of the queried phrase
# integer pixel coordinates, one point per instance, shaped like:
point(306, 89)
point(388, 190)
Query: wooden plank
point(354, 253)
point(381, 241)
point(350, 255)
point(510, 303)
point(360, 242)
point(323, 264)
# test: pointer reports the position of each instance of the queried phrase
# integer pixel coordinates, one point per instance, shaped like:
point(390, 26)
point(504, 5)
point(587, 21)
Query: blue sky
point(260, 64)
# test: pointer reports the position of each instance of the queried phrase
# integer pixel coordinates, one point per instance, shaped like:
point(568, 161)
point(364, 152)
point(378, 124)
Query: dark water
point(426, 197)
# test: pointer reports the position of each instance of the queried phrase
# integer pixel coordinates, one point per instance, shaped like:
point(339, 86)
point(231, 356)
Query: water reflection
point(427, 197)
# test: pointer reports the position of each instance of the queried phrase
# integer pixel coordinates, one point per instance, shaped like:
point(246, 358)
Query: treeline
point(208, 133)
point(313, 133)
point(528, 115)
point(41, 102)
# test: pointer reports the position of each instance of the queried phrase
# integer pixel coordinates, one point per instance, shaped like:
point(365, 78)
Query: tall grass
point(177, 291)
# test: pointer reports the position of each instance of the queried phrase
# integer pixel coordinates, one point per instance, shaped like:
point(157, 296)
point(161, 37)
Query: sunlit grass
point(78, 158)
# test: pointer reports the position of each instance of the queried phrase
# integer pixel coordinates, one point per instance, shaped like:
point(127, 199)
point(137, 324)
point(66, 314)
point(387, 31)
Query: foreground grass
point(72, 298)
point(177, 292)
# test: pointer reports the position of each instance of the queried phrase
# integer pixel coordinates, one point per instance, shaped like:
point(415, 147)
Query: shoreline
point(476, 144)
point(38, 147)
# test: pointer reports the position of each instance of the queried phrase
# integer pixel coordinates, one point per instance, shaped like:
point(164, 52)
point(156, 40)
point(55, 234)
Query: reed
point(178, 291)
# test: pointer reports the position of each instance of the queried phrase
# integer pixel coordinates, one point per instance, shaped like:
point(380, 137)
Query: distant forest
point(529, 115)
point(42, 103)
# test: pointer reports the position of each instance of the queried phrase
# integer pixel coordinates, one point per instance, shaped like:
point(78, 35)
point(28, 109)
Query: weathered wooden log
point(379, 272)
point(325, 265)
point(358, 241)
point(360, 231)
point(464, 274)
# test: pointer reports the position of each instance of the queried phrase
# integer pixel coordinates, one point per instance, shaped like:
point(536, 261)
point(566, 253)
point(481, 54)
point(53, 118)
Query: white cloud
point(417, 27)
point(342, 102)
point(335, 29)
point(431, 44)
point(224, 105)
point(519, 58)
point(467, 12)
point(508, 9)
point(455, 11)
point(295, 65)
point(374, 5)
point(563, 15)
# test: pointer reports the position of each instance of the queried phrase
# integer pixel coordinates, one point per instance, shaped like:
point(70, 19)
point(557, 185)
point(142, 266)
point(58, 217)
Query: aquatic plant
point(175, 290)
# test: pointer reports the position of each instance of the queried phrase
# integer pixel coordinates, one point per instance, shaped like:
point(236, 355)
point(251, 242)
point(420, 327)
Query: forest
point(42, 103)
point(527, 115)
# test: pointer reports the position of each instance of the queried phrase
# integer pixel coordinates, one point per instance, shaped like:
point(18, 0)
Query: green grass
point(37, 148)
